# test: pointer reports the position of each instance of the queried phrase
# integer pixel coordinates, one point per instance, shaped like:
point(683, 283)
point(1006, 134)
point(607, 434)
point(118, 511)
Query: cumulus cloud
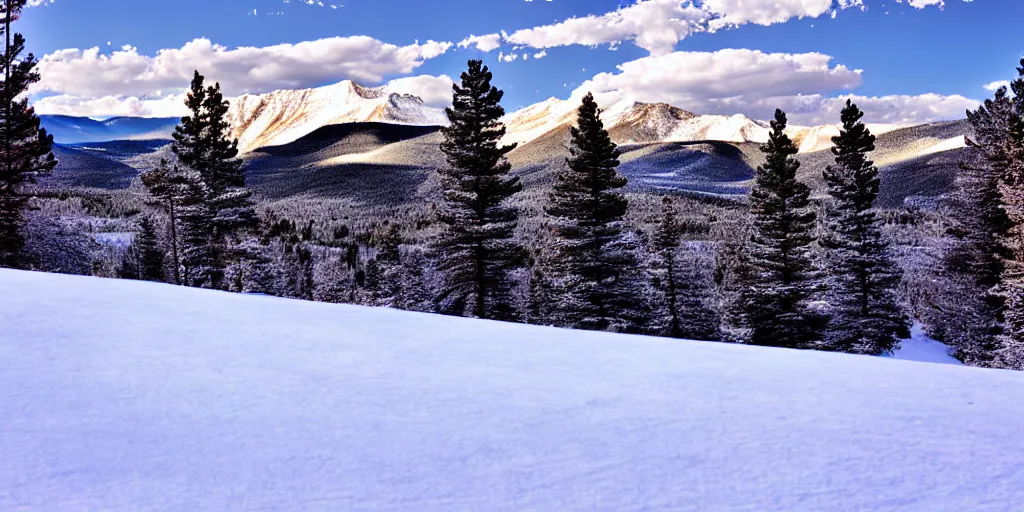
point(818, 109)
point(655, 25)
point(128, 106)
point(659, 25)
point(241, 70)
point(693, 79)
point(435, 91)
point(741, 12)
point(994, 86)
point(755, 83)
point(483, 43)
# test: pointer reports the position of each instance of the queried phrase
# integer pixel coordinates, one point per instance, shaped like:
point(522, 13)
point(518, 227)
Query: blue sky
point(929, 60)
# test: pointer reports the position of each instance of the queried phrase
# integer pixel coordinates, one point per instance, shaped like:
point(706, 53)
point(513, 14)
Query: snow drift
point(121, 395)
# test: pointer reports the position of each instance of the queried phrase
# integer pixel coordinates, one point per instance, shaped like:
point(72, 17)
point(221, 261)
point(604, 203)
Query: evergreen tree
point(667, 240)
point(202, 145)
point(594, 268)
point(971, 304)
point(25, 148)
point(734, 279)
point(169, 188)
point(866, 318)
point(151, 258)
point(476, 250)
point(785, 279)
point(198, 254)
point(1011, 350)
point(687, 288)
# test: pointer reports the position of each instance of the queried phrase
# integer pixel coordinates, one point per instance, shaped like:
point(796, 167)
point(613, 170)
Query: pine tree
point(202, 145)
point(151, 257)
point(169, 188)
point(679, 277)
point(971, 304)
point(25, 148)
point(785, 278)
point(198, 255)
point(1011, 350)
point(698, 316)
point(594, 268)
point(666, 242)
point(866, 317)
point(734, 279)
point(476, 250)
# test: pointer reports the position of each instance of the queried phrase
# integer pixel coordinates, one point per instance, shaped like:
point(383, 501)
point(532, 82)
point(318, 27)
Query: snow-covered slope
point(285, 116)
point(635, 122)
point(138, 397)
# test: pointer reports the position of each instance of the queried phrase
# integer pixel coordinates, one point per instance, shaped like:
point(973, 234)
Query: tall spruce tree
point(593, 270)
point(1011, 341)
point(785, 278)
point(25, 148)
point(866, 316)
point(971, 304)
point(476, 250)
point(202, 145)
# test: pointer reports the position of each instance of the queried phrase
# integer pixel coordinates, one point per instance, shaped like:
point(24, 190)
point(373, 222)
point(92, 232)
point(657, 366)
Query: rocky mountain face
point(285, 116)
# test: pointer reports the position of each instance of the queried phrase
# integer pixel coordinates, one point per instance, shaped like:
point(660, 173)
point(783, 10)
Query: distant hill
point(77, 130)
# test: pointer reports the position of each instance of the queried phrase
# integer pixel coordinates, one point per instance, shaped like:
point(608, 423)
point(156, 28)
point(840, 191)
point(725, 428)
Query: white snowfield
point(135, 397)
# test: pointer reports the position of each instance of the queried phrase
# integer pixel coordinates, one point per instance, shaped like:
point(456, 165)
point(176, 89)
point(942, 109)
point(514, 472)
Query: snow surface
point(127, 396)
point(920, 347)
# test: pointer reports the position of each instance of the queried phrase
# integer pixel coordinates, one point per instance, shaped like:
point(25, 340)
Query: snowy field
point(134, 397)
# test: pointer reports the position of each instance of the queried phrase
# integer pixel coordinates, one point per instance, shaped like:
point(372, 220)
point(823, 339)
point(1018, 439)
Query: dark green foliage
point(169, 190)
point(25, 148)
point(476, 250)
point(151, 257)
point(666, 244)
point(866, 317)
point(593, 270)
point(1011, 350)
point(970, 307)
point(143, 259)
point(202, 146)
point(784, 275)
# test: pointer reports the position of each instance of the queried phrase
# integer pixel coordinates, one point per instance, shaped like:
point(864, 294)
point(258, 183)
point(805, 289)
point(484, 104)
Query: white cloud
point(242, 70)
point(994, 86)
point(692, 79)
point(483, 43)
point(435, 91)
point(740, 12)
point(892, 109)
point(39, 3)
point(655, 25)
point(128, 106)
point(921, 4)
point(659, 25)
point(755, 83)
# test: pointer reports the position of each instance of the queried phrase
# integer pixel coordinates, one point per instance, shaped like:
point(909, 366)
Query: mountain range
point(323, 140)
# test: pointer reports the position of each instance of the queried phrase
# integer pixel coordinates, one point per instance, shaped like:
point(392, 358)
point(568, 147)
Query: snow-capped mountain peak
point(284, 116)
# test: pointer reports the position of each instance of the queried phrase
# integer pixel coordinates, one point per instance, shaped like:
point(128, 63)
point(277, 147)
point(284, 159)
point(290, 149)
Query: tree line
point(799, 272)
